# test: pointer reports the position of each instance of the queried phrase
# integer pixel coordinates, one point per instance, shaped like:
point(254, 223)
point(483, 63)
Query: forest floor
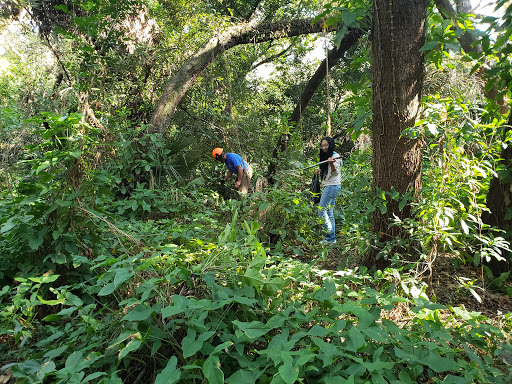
point(449, 281)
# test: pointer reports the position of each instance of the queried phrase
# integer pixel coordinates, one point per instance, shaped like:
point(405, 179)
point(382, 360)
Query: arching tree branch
point(241, 34)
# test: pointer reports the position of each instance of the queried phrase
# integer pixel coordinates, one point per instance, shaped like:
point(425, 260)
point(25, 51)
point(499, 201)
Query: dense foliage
point(124, 260)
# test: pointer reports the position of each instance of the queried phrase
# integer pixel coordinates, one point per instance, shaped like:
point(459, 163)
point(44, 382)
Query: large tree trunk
point(241, 34)
point(499, 202)
point(398, 35)
point(333, 58)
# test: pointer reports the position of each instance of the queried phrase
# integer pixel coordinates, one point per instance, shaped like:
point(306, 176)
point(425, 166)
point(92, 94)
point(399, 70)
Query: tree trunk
point(398, 35)
point(241, 34)
point(314, 82)
point(499, 202)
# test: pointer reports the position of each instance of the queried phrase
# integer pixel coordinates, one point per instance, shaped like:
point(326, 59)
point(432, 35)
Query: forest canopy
point(128, 253)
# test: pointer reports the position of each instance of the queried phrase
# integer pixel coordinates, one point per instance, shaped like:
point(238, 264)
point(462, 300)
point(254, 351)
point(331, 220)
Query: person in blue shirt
point(235, 165)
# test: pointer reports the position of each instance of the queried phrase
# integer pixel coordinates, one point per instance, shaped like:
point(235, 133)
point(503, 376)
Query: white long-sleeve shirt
point(333, 178)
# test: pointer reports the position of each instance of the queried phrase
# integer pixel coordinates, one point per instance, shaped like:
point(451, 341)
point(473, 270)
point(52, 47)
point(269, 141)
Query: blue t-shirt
point(233, 161)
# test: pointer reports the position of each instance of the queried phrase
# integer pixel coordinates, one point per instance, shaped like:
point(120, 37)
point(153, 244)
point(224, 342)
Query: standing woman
point(330, 177)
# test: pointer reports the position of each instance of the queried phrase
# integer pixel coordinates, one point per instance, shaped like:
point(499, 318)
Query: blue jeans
point(326, 210)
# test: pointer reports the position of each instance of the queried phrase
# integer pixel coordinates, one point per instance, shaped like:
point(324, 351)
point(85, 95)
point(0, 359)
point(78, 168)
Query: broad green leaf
point(4, 290)
point(50, 302)
point(339, 380)
point(349, 18)
point(94, 376)
point(356, 339)
point(191, 345)
point(141, 312)
point(289, 372)
point(254, 277)
point(52, 317)
point(241, 376)
point(430, 46)
point(170, 374)
point(10, 224)
point(219, 348)
point(44, 279)
point(75, 154)
point(52, 354)
point(74, 359)
point(211, 371)
point(179, 305)
point(327, 351)
point(318, 330)
point(122, 274)
point(107, 289)
point(440, 364)
point(132, 345)
point(253, 330)
point(45, 369)
point(35, 242)
point(376, 333)
point(75, 300)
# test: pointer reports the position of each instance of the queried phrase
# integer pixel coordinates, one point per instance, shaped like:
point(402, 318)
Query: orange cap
point(217, 153)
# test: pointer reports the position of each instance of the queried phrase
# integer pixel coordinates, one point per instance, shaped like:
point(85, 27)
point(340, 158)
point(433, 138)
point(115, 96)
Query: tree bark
point(241, 34)
point(398, 34)
point(333, 58)
point(499, 202)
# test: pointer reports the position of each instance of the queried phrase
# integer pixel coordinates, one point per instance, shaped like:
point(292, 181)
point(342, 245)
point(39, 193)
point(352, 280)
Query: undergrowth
point(108, 284)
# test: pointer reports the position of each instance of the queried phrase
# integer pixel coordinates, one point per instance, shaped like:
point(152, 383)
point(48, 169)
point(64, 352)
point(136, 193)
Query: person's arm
point(228, 175)
point(239, 175)
point(331, 164)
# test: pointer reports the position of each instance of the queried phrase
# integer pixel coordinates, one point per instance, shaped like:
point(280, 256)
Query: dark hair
point(324, 156)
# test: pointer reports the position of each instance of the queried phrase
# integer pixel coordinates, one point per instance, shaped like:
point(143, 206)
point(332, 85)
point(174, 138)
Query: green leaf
point(464, 226)
point(75, 300)
point(122, 274)
point(93, 376)
point(107, 289)
point(340, 34)
point(318, 330)
point(179, 304)
point(254, 277)
point(74, 359)
point(50, 355)
point(289, 372)
point(45, 369)
point(10, 224)
point(241, 376)
point(170, 374)
point(211, 371)
point(191, 345)
point(440, 364)
point(349, 19)
point(253, 330)
point(356, 339)
point(44, 279)
point(132, 345)
point(139, 313)
point(52, 317)
point(429, 46)
point(35, 242)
